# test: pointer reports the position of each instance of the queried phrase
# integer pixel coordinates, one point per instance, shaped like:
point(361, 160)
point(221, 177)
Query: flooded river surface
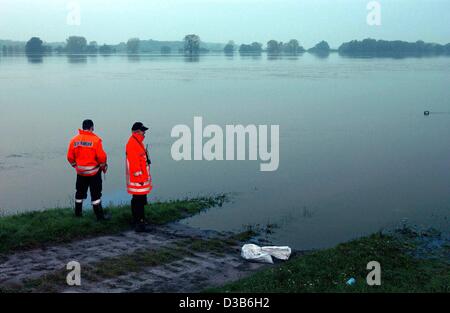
point(356, 152)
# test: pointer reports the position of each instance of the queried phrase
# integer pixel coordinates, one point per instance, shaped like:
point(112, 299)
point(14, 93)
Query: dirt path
point(190, 270)
point(190, 274)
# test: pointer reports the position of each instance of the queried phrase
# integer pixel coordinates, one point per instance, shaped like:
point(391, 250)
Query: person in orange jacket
point(86, 155)
point(139, 180)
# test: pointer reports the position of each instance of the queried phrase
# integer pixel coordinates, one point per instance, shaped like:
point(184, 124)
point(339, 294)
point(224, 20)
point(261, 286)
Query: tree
point(166, 50)
point(47, 49)
point(274, 47)
point(292, 47)
point(133, 45)
point(76, 44)
point(191, 44)
point(255, 47)
point(59, 49)
point(243, 48)
point(34, 46)
point(106, 49)
point(229, 47)
point(447, 48)
point(92, 48)
point(321, 48)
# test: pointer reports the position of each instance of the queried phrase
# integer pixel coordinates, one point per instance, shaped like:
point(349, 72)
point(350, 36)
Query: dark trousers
point(94, 185)
point(137, 208)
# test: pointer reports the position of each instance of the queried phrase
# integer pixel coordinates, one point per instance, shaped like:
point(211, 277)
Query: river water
point(356, 152)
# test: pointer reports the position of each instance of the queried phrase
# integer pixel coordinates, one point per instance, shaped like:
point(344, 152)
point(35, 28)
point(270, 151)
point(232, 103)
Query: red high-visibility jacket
point(86, 153)
point(139, 180)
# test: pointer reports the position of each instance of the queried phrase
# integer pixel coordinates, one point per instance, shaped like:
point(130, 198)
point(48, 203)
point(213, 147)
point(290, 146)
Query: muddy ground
point(192, 270)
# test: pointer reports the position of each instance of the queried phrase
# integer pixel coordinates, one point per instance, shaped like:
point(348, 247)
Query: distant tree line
point(166, 50)
point(254, 47)
point(12, 49)
point(291, 47)
point(79, 45)
point(74, 45)
point(192, 45)
point(388, 48)
point(133, 45)
point(274, 47)
point(321, 48)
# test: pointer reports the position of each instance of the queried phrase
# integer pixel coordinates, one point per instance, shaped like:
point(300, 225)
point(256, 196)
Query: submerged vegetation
point(34, 229)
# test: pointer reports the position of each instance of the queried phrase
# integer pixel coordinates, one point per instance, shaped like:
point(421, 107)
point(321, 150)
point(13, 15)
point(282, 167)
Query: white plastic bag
point(281, 253)
point(256, 253)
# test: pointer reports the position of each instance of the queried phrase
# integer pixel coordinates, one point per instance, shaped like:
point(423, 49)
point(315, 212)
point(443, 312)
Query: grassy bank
point(411, 261)
point(34, 229)
point(328, 270)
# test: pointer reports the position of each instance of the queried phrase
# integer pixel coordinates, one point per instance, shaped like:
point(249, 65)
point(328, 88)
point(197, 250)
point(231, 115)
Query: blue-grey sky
point(309, 21)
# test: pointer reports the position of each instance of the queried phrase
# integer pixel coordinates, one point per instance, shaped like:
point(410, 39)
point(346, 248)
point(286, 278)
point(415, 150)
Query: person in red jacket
point(86, 155)
point(139, 180)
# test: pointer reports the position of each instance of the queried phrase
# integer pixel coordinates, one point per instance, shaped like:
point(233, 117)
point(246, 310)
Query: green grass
point(328, 270)
point(34, 229)
point(319, 271)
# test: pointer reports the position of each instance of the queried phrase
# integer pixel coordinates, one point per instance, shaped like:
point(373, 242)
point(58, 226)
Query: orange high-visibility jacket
point(139, 180)
point(86, 153)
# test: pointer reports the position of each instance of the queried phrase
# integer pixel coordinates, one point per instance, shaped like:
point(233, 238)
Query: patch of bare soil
point(188, 260)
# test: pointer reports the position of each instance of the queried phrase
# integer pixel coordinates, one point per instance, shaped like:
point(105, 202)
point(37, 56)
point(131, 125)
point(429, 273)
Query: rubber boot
point(141, 226)
point(98, 210)
point(78, 209)
point(134, 212)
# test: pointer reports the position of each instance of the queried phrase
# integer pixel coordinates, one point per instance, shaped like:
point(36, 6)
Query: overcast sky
point(309, 21)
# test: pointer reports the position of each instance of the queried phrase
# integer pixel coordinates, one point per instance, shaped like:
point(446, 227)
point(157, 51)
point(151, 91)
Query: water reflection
point(229, 54)
point(283, 56)
point(77, 58)
point(321, 54)
point(386, 55)
point(106, 54)
point(293, 57)
point(253, 56)
point(273, 56)
point(134, 58)
point(35, 58)
point(192, 58)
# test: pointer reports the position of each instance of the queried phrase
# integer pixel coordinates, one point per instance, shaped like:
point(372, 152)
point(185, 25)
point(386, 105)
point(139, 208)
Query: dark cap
point(139, 126)
point(87, 124)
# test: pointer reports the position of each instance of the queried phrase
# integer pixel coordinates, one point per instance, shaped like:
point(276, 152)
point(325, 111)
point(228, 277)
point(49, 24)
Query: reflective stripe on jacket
point(86, 154)
point(139, 180)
